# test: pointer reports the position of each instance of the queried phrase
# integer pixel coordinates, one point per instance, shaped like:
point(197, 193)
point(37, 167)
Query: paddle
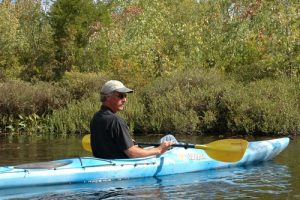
point(226, 150)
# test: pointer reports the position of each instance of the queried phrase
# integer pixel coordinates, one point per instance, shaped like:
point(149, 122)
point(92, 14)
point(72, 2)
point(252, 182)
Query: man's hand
point(135, 151)
point(163, 147)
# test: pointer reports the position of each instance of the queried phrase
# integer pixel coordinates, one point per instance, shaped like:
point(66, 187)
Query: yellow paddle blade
point(86, 142)
point(227, 150)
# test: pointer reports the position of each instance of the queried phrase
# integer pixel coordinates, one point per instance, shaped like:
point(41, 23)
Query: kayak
point(93, 170)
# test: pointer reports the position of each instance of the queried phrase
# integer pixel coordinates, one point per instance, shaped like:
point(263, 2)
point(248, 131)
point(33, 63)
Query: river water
point(277, 179)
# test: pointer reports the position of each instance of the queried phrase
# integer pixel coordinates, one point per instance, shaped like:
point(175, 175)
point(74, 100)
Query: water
point(277, 179)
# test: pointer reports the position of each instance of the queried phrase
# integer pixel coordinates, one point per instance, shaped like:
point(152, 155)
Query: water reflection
point(15, 150)
point(267, 180)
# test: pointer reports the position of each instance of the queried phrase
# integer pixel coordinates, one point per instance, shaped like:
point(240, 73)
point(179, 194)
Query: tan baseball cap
point(114, 85)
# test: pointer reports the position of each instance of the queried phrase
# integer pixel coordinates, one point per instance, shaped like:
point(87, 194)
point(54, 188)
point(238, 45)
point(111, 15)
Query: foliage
point(266, 40)
point(195, 102)
point(208, 102)
point(73, 23)
point(265, 106)
point(81, 85)
point(19, 97)
point(37, 49)
point(9, 38)
point(26, 42)
point(178, 103)
point(143, 40)
point(20, 101)
point(226, 66)
point(74, 118)
point(25, 107)
point(172, 112)
point(149, 39)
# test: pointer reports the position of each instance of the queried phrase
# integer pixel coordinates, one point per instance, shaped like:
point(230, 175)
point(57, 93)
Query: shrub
point(195, 101)
point(175, 104)
point(74, 118)
point(261, 107)
point(81, 84)
point(21, 101)
point(207, 102)
point(23, 98)
point(267, 106)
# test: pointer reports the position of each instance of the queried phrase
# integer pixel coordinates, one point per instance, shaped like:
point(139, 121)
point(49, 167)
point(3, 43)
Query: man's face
point(116, 101)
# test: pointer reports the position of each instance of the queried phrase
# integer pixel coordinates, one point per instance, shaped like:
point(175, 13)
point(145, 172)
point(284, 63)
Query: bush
point(176, 104)
point(74, 118)
point(207, 102)
point(261, 107)
point(23, 98)
point(20, 101)
point(25, 106)
point(267, 106)
point(194, 102)
point(81, 84)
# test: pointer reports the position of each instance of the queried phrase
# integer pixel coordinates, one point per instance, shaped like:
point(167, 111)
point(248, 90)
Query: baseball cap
point(114, 85)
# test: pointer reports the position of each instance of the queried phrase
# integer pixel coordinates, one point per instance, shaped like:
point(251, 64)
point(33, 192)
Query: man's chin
point(121, 108)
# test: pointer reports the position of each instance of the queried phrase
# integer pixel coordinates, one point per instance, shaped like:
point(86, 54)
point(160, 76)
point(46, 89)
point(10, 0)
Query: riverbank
point(197, 102)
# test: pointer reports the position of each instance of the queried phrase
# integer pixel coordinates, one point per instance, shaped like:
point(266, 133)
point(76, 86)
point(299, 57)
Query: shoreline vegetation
point(226, 68)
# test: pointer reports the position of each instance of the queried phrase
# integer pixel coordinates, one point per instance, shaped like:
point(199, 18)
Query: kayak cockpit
point(43, 165)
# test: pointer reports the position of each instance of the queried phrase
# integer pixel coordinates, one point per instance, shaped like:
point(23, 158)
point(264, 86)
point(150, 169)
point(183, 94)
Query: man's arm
point(136, 152)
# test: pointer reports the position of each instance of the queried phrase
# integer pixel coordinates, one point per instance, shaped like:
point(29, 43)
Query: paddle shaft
point(185, 145)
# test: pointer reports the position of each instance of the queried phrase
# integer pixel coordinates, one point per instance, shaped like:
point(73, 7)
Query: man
point(110, 137)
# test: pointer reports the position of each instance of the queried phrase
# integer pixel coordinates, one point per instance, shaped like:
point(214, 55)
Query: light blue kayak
point(93, 170)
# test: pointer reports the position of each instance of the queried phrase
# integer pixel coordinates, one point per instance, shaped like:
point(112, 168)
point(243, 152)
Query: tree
point(9, 37)
point(37, 49)
point(72, 21)
point(149, 39)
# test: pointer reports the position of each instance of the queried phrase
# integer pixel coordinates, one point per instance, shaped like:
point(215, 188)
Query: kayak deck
point(90, 169)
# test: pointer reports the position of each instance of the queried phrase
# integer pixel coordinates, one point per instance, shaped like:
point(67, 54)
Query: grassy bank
point(194, 102)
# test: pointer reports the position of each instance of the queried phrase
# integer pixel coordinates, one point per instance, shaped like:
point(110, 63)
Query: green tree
point(37, 49)
point(9, 38)
point(263, 40)
point(94, 56)
point(73, 22)
point(248, 39)
point(149, 39)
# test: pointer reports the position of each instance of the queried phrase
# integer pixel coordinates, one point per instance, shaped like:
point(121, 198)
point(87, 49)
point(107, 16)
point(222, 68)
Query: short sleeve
point(123, 139)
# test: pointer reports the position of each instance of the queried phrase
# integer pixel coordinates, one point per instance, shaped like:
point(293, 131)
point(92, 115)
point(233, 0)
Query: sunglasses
point(121, 95)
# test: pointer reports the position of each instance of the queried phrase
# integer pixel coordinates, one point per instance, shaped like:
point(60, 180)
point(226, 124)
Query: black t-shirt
point(109, 135)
